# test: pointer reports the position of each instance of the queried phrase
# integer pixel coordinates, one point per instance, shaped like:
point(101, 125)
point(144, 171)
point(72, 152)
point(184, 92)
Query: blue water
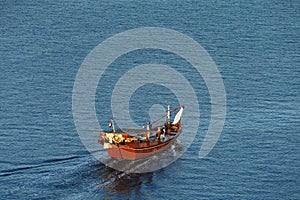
point(255, 45)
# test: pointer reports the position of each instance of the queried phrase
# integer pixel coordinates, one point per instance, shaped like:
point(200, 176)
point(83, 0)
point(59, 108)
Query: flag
point(110, 123)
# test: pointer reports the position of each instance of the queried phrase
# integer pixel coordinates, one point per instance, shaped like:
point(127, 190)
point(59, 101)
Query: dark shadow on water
point(116, 182)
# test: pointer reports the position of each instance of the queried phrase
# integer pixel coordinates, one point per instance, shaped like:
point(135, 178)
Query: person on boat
point(148, 131)
point(163, 134)
point(149, 126)
point(158, 135)
point(167, 126)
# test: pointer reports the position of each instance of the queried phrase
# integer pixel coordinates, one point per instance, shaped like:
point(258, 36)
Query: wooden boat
point(137, 144)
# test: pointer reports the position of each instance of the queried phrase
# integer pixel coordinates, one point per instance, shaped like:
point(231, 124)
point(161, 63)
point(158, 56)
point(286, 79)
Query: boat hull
point(137, 151)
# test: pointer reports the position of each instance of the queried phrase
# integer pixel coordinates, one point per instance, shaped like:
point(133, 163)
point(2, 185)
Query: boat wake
point(21, 168)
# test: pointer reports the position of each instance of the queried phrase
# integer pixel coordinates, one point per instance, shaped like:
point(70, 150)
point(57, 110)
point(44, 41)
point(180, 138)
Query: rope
point(157, 120)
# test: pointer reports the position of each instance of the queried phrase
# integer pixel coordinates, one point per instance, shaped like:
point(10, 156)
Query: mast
point(113, 127)
point(169, 118)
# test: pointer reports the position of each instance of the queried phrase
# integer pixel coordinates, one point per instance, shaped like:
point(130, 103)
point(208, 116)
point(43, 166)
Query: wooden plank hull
point(137, 151)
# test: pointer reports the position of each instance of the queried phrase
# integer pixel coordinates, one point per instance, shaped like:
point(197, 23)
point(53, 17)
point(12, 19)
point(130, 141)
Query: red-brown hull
point(133, 152)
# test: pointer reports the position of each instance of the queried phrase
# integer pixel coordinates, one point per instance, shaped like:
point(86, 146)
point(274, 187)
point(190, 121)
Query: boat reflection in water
point(130, 178)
